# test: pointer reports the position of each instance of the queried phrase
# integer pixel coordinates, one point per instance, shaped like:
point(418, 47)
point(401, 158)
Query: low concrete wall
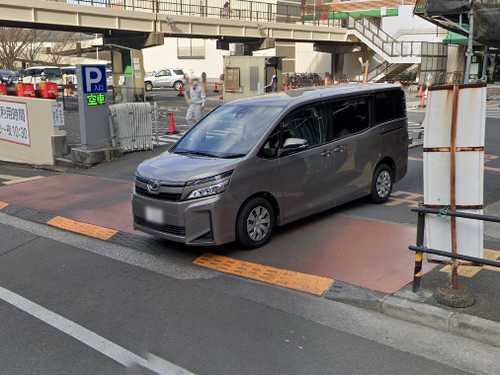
point(26, 130)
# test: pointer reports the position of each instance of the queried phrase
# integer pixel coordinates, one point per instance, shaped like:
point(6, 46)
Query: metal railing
point(420, 249)
point(384, 41)
point(379, 69)
point(247, 10)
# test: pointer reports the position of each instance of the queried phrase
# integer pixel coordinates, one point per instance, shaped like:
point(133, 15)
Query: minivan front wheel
point(255, 223)
point(382, 183)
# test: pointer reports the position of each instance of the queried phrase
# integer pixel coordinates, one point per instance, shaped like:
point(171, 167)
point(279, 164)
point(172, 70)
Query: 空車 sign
point(14, 126)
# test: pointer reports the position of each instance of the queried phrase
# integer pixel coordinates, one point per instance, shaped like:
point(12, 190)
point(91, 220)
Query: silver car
point(170, 78)
point(256, 163)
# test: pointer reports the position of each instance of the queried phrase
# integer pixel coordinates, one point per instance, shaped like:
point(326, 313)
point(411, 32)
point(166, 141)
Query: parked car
point(8, 77)
point(255, 163)
point(171, 78)
point(34, 74)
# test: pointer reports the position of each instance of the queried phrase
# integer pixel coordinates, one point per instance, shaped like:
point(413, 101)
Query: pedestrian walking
point(204, 81)
point(196, 98)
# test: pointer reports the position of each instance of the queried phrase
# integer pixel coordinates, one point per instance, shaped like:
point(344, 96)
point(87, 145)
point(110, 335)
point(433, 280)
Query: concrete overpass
point(251, 21)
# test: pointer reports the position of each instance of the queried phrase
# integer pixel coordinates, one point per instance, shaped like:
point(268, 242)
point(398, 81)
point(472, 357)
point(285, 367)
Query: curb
point(479, 329)
point(407, 308)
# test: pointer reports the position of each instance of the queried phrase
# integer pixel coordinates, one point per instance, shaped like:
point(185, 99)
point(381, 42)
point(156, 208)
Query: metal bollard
point(419, 256)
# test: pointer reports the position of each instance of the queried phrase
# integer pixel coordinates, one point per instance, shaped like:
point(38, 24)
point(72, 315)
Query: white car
point(171, 78)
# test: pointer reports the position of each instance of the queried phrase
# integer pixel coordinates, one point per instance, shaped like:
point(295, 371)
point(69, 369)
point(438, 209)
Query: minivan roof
point(297, 96)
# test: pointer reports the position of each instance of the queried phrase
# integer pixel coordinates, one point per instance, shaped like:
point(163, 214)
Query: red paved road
point(368, 253)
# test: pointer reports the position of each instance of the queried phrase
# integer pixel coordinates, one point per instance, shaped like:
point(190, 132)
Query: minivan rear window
point(389, 105)
point(178, 72)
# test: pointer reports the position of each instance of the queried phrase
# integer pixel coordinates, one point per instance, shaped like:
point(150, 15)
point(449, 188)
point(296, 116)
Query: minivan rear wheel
point(255, 223)
point(382, 184)
point(148, 86)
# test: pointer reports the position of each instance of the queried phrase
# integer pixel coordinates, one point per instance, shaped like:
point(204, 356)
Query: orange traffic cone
point(171, 124)
point(181, 91)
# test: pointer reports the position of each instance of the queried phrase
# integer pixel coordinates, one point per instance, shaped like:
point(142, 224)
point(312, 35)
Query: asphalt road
point(67, 309)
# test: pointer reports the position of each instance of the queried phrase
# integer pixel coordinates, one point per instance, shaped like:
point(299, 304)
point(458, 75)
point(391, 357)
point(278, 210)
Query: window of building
point(190, 48)
point(389, 105)
point(346, 117)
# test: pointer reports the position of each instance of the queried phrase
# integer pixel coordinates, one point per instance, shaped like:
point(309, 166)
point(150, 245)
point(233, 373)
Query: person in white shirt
point(196, 98)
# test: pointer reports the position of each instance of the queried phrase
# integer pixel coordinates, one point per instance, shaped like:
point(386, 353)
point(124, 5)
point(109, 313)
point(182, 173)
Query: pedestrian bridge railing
point(245, 10)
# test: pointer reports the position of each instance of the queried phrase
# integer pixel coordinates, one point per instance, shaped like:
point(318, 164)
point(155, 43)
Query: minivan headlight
point(217, 185)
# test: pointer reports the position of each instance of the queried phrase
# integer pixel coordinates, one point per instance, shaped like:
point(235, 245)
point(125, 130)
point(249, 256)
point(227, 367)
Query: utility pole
point(470, 42)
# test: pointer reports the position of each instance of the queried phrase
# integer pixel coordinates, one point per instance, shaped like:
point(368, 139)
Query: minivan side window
point(270, 149)
point(389, 105)
point(346, 117)
point(303, 123)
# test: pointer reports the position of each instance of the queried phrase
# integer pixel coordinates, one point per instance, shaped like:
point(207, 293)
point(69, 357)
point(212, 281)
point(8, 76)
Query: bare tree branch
point(13, 44)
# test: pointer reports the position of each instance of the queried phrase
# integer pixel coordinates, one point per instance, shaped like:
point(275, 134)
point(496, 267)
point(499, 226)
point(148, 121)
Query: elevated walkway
point(244, 20)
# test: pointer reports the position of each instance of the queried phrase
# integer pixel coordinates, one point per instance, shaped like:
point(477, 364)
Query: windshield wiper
point(233, 156)
point(199, 153)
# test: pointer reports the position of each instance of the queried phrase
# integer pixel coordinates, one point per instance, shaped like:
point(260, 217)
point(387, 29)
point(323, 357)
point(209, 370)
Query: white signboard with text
point(14, 126)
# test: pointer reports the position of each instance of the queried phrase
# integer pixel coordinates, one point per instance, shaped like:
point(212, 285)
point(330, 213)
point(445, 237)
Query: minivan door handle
point(339, 149)
point(326, 153)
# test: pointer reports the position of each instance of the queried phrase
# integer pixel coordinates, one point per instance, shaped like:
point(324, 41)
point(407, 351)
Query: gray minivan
point(255, 163)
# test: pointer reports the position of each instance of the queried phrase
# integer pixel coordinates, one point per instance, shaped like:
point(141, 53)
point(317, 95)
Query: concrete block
point(420, 313)
point(89, 157)
point(59, 146)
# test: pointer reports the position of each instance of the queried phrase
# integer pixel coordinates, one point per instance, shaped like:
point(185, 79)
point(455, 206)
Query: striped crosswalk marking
point(493, 113)
point(167, 139)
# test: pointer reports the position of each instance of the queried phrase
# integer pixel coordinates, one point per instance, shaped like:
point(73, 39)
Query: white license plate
point(154, 215)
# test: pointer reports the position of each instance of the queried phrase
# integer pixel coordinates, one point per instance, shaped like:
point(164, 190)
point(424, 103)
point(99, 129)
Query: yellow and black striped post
point(419, 255)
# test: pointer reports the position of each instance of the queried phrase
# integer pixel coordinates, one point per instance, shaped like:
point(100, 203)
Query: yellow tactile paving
point(89, 230)
point(288, 279)
point(19, 180)
point(471, 271)
point(404, 197)
point(3, 205)
point(464, 271)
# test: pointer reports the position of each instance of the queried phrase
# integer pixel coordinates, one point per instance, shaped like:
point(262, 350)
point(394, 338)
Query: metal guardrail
point(420, 249)
point(247, 10)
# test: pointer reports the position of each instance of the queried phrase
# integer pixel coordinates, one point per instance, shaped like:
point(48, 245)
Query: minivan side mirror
point(293, 145)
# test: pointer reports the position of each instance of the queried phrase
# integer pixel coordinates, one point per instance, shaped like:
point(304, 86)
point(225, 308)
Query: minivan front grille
point(165, 228)
point(174, 197)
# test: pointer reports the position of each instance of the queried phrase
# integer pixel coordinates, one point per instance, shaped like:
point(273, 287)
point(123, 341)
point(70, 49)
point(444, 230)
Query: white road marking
point(89, 338)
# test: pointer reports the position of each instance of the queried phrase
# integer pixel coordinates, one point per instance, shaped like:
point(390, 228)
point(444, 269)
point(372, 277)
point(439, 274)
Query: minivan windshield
point(229, 131)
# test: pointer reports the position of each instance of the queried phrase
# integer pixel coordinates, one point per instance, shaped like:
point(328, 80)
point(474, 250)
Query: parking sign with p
point(94, 79)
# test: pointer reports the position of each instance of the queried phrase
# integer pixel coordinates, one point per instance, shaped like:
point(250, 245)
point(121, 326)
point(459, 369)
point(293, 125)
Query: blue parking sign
point(94, 79)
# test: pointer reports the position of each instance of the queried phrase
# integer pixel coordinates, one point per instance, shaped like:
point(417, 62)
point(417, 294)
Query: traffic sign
point(94, 79)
